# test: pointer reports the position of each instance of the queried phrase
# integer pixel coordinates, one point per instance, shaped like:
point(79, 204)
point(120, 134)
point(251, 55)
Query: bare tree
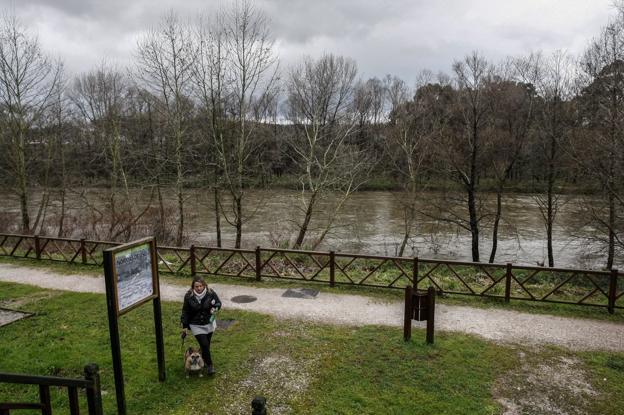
point(602, 106)
point(251, 74)
point(555, 86)
point(165, 56)
point(99, 97)
point(512, 114)
point(28, 79)
point(463, 154)
point(211, 88)
point(412, 124)
point(320, 107)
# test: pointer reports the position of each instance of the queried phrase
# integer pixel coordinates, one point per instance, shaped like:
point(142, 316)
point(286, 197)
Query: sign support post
point(131, 275)
point(113, 328)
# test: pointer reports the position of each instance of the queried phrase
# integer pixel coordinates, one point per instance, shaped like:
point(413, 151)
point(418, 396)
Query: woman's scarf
point(200, 295)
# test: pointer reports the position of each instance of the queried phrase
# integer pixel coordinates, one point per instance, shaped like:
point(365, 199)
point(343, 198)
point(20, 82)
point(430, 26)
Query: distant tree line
point(206, 104)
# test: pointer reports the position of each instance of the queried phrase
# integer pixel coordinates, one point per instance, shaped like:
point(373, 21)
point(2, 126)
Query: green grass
point(299, 367)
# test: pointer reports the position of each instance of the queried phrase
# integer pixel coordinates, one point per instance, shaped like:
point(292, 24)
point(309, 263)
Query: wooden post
point(508, 282)
point(415, 273)
point(113, 328)
point(74, 406)
point(409, 311)
point(192, 260)
point(94, 393)
point(160, 342)
point(258, 264)
point(332, 268)
point(613, 283)
point(83, 250)
point(430, 314)
point(44, 398)
point(37, 247)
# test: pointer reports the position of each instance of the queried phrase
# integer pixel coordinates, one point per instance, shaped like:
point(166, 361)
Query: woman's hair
point(198, 279)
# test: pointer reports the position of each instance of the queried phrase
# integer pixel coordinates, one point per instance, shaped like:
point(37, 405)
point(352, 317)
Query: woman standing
point(198, 314)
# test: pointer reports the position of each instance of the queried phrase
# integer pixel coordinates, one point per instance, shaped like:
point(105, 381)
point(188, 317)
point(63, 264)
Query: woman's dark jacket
point(198, 313)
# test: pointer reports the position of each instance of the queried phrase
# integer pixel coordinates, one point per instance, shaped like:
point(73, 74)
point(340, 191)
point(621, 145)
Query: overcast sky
point(398, 37)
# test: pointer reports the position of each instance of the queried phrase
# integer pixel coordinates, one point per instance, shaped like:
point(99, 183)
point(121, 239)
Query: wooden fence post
point(508, 282)
point(94, 394)
point(192, 260)
point(37, 247)
point(409, 310)
point(258, 264)
point(44, 398)
point(613, 283)
point(430, 314)
point(332, 268)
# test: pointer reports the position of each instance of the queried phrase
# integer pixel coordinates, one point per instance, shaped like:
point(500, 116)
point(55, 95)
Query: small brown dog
point(193, 362)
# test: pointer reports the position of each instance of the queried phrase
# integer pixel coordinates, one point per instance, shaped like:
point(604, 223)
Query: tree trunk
point(472, 192)
point(474, 225)
point(306, 222)
point(217, 216)
point(550, 210)
point(497, 217)
point(22, 184)
point(239, 221)
point(611, 249)
point(180, 233)
point(61, 224)
point(179, 177)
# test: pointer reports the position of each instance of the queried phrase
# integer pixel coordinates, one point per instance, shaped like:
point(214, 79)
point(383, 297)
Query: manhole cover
point(300, 293)
point(243, 299)
point(224, 324)
point(9, 316)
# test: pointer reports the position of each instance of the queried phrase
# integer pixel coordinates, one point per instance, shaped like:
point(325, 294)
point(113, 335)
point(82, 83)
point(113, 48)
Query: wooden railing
point(91, 384)
point(506, 281)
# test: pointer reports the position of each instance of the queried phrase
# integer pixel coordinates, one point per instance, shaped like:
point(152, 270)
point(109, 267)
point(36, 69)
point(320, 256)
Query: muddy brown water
point(372, 222)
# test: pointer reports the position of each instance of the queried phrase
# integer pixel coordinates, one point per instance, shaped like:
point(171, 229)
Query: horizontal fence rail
point(505, 281)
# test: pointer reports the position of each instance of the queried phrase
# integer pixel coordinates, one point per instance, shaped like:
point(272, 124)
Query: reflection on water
point(372, 222)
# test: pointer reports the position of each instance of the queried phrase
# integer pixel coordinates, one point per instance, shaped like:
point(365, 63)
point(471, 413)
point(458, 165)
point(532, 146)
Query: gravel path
point(493, 324)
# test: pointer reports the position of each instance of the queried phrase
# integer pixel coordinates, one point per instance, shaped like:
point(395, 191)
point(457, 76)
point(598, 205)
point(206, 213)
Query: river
point(372, 222)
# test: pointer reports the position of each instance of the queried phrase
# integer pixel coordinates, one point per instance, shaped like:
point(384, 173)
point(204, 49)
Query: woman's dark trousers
point(204, 343)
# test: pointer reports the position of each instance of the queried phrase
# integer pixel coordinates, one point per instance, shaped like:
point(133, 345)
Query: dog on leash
point(193, 362)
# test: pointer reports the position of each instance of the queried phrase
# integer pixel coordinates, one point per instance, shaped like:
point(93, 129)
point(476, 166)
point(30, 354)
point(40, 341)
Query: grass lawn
point(301, 368)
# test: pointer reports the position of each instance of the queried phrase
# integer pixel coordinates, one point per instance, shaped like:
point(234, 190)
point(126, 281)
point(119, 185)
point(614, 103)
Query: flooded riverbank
point(372, 222)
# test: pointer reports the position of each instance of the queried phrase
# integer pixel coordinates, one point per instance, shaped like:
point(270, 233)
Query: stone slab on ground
point(300, 293)
point(9, 316)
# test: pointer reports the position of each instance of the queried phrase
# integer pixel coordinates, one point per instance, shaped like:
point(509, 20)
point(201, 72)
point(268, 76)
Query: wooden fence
point(90, 383)
point(506, 281)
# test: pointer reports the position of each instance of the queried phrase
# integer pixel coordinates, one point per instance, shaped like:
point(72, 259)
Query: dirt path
point(493, 324)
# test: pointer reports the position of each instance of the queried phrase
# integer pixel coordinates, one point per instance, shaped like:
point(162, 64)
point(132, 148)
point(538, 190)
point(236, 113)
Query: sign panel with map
point(134, 275)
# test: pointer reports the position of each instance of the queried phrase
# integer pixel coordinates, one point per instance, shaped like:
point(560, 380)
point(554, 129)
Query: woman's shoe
point(210, 370)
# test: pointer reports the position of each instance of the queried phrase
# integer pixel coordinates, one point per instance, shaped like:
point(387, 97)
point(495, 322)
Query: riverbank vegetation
point(299, 367)
point(205, 104)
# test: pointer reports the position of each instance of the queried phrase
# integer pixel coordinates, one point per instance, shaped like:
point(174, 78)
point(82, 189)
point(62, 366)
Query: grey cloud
point(399, 37)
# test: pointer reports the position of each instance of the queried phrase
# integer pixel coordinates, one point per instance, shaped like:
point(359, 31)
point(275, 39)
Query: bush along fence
point(505, 281)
